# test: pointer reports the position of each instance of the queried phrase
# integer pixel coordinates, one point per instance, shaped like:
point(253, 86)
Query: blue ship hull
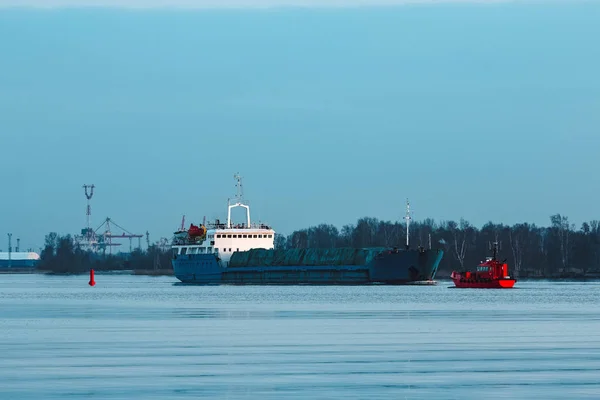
point(4, 264)
point(389, 267)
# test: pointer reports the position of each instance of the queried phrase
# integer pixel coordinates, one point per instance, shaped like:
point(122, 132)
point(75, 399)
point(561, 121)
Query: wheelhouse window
point(184, 250)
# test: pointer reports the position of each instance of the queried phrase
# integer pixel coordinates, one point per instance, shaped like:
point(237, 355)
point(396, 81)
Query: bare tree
point(561, 226)
point(517, 235)
point(386, 230)
point(462, 234)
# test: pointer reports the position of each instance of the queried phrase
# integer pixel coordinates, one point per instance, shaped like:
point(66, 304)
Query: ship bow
point(397, 267)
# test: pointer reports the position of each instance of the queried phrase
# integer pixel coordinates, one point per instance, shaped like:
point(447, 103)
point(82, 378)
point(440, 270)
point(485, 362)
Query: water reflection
point(142, 337)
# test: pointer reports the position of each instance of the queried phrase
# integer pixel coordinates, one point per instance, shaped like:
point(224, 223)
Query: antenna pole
point(240, 191)
point(9, 250)
point(407, 218)
point(89, 236)
point(239, 201)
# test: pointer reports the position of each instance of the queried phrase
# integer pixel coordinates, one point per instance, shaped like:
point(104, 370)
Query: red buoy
point(92, 281)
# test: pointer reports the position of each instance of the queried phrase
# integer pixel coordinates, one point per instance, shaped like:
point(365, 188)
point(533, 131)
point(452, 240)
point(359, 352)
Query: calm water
point(145, 338)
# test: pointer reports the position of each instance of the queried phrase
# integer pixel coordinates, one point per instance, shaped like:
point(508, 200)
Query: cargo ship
point(491, 274)
point(226, 253)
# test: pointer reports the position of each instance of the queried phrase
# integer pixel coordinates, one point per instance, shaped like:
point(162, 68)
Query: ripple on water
point(142, 337)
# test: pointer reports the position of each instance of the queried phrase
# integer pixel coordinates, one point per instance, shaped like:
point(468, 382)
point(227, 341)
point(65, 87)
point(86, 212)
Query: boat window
point(270, 236)
point(245, 236)
point(228, 236)
point(183, 250)
point(230, 250)
point(260, 236)
point(255, 236)
point(218, 236)
point(238, 249)
point(209, 250)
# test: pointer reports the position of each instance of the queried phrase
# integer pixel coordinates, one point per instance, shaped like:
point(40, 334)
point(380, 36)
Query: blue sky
point(487, 112)
point(246, 4)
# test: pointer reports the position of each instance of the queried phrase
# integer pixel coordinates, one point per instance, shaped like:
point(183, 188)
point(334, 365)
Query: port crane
point(109, 236)
point(93, 240)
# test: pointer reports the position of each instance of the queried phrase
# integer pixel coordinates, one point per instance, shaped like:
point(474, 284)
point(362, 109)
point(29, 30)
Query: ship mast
point(239, 201)
point(407, 218)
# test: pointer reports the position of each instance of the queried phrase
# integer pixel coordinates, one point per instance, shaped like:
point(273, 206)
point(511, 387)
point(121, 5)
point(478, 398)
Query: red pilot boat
point(492, 274)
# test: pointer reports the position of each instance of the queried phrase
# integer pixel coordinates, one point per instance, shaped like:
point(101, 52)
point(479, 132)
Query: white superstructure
point(223, 240)
point(16, 256)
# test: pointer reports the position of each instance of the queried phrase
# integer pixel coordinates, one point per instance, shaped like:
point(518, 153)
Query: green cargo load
point(304, 257)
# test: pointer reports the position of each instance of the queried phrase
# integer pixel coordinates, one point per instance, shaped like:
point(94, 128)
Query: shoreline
point(169, 272)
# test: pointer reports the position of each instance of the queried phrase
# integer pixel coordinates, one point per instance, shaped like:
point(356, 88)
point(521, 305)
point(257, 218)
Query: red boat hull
point(491, 274)
point(491, 284)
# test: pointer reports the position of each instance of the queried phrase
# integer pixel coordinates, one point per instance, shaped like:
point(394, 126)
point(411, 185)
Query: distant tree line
point(556, 251)
point(559, 250)
point(61, 254)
